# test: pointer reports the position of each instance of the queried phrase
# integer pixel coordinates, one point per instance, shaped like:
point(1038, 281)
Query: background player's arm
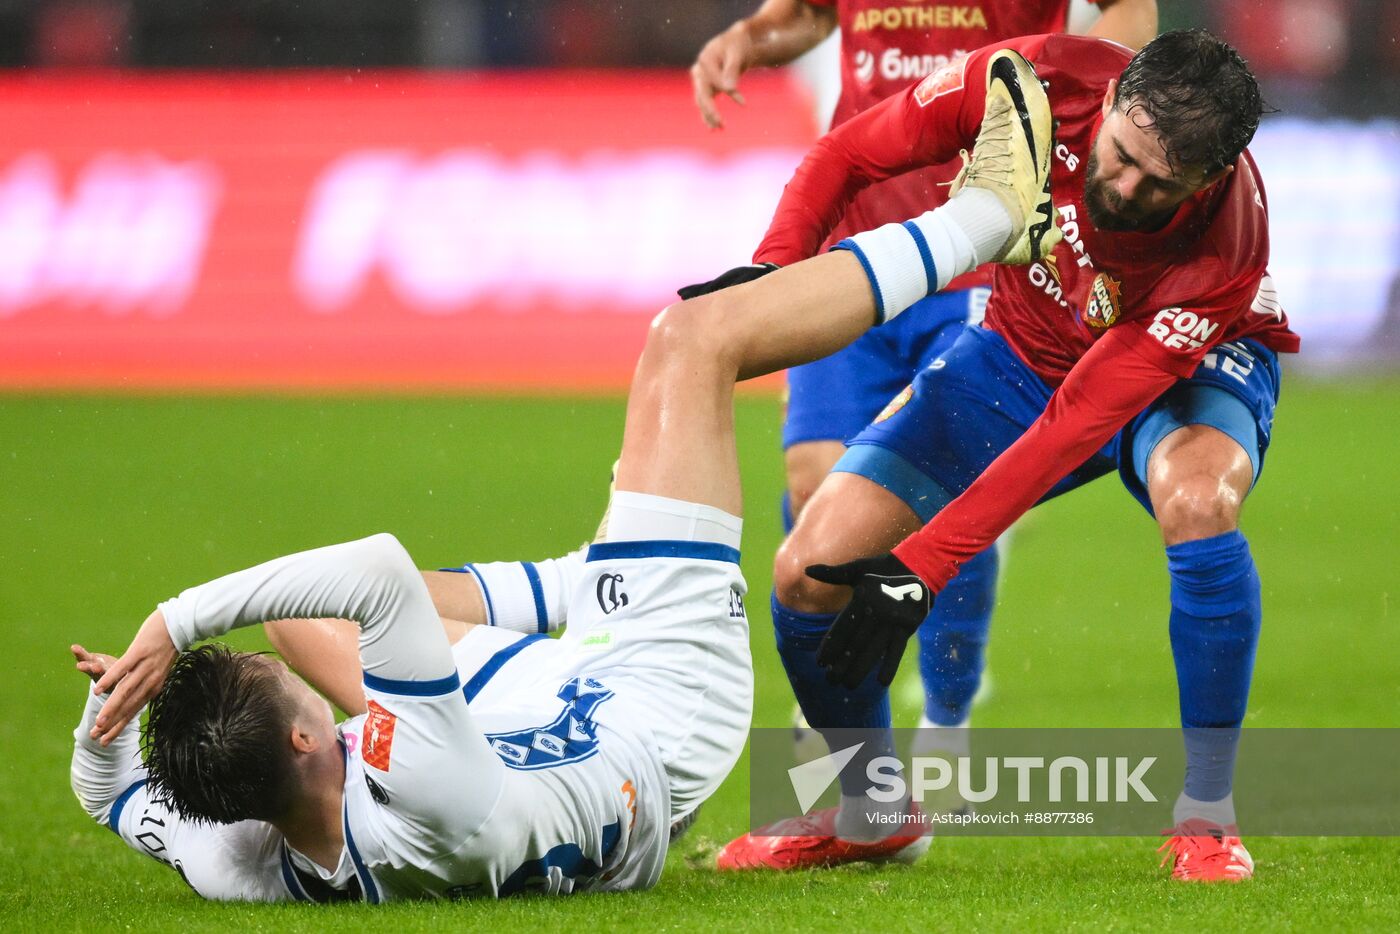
point(777, 33)
point(1132, 23)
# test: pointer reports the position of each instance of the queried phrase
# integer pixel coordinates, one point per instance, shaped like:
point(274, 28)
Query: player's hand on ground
point(134, 678)
point(717, 69)
point(888, 602)
point(92, 664)
point(724, 280)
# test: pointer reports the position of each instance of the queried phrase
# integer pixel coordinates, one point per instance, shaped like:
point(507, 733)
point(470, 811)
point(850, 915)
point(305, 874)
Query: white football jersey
point(506, 763)
point(447, 794)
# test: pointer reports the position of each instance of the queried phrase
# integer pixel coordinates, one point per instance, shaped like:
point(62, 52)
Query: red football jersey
point(1112, 319)
point(887, 46)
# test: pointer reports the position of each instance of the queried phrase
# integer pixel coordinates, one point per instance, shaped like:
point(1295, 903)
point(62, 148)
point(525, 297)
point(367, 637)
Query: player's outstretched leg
point(1000, 211)
point(679, 439)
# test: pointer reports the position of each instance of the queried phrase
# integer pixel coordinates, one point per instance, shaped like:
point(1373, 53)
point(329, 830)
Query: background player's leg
point(1198, 477)
point(805, 465)
point(679, 440)
point(953, 639)
point(829, 401)
point(953, 642)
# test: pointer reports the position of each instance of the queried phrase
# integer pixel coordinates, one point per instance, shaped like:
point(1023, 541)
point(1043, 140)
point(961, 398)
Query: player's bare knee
point(795, 590)
point(1195, 507)
point(685, 331)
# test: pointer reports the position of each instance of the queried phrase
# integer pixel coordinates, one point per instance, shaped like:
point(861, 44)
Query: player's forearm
point(100, 774)
point(1095, 401)
point(357, 581)
point(782, 30)
point(372, 582)
point(522, 596)
point(1128, 22)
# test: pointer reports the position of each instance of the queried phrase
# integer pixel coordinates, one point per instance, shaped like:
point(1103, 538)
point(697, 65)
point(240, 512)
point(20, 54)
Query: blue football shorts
point(977, 397)
point(837, 396)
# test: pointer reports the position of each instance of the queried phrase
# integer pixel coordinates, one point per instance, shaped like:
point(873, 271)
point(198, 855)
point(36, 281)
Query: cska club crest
point(1104, 302)
point(897, 403)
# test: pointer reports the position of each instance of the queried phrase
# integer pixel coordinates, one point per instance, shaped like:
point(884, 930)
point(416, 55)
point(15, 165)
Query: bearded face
point(1129, 183)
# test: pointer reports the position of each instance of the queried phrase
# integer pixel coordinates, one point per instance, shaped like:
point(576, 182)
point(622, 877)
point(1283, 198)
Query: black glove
point(888, 604)
point(723, 281)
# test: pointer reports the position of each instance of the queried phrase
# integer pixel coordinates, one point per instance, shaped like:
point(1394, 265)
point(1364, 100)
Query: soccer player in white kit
point(501, 765)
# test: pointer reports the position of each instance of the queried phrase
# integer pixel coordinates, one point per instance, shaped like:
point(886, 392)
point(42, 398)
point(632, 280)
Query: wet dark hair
point(215, 738)
point(1199, 93)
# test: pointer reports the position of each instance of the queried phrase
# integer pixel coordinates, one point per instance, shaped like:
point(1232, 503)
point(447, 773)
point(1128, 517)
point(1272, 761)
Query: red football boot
point(1200, 851)
point(810, 842)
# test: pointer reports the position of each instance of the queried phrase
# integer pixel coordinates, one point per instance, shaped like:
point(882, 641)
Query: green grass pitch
point(108, 505)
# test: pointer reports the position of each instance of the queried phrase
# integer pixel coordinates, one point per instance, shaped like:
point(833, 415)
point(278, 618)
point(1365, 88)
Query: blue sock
point(954, 637)
point(830, 709)
point(1215, 621)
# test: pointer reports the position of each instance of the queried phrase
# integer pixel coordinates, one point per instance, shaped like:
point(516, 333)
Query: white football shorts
point(662, 625)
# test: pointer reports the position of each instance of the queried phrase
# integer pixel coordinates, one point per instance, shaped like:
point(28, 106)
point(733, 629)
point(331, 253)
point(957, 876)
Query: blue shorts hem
point(1240, 408)
point(886, 467)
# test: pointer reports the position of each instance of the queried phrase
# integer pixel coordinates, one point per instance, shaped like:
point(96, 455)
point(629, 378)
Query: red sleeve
point(1107, 387)
point(1177, 338)
point(1210, 297)
point(927, 124)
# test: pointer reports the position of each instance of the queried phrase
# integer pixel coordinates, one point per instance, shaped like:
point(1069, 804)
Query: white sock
point(642, 517)
point(980, 217)
point(906, 262)
point(528, 596)
point(953, 740)
point(1220, 812)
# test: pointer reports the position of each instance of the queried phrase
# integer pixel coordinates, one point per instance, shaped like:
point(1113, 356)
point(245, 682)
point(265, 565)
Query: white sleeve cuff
point(179, 623)
point(897, 260)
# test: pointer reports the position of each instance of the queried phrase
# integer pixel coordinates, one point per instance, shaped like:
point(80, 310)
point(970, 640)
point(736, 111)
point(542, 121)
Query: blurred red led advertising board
point(505, 231)
point(389, 230)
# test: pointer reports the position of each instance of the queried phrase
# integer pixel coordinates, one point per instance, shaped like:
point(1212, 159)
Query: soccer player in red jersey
point(1146, 341)
point(884, 47)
